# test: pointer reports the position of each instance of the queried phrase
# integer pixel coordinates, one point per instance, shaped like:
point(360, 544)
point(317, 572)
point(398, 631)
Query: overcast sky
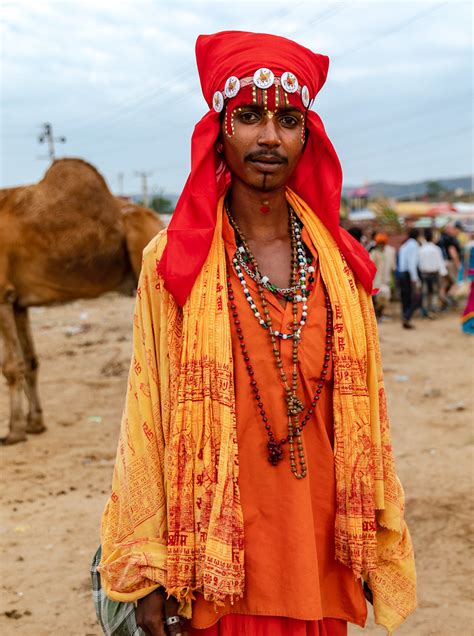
point(118, 79)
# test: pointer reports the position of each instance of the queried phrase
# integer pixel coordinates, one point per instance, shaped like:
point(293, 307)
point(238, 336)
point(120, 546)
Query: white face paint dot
point(232, 87)
point(305, 96)
point(218, 101)
point(263, 78)
point(289, 82)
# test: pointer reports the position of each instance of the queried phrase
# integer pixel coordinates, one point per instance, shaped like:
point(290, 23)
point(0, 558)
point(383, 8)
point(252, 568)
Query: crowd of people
point(428, 273)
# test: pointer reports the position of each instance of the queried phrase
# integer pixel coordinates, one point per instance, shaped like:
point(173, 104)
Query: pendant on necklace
point(275, 452)
point(295, 405)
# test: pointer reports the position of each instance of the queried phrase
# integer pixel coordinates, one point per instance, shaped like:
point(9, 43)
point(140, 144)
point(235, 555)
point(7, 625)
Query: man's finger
point(171, 606)
point(171, 612)
point(149, 613)
point(176, 629)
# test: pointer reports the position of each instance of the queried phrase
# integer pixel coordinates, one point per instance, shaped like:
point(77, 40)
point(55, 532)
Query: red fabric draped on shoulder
point(190, 232)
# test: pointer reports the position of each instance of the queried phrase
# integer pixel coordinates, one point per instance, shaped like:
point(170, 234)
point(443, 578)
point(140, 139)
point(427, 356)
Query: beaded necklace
point(294, 404)
point(286, 293)
point(298, 263)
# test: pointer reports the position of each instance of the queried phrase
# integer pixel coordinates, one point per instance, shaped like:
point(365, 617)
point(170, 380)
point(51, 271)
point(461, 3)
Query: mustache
point(258, 155)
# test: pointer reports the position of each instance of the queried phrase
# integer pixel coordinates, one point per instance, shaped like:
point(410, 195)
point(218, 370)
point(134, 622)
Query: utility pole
point(144, 177)
point(46, 136)
point(120, 183)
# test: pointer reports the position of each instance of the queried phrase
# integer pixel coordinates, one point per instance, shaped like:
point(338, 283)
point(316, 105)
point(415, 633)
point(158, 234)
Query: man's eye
point(248, 117)
point(289, 121)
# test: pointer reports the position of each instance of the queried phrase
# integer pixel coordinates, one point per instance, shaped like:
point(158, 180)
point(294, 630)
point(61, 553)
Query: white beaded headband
point(263, 78)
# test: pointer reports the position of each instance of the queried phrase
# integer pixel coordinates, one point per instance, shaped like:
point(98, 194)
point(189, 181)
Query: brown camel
point(61, 239)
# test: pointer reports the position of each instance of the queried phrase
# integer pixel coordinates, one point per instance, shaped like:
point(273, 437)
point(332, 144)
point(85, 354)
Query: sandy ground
point(55, 485)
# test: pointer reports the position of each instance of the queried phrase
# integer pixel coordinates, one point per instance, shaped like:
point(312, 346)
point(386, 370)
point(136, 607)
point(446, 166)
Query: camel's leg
point(35, 414)
point(14, 371)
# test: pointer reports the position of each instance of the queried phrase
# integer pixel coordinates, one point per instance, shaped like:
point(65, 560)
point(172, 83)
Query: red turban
point(317, 178)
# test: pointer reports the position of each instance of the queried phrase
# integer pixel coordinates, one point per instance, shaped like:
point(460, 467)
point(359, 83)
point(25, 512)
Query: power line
point(390, 31)
point(18, 135)
point(450, 133)
point(152, 97)
point(406, 116)
point(129, 106)
point(319, 18)
point(418, 162)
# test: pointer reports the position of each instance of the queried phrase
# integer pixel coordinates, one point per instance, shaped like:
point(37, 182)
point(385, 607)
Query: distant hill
point(408, 190)
point(380, 189)
point(136, 198)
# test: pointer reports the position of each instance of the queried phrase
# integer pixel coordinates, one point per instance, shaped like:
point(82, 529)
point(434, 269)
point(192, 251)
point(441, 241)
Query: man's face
point(265, 146)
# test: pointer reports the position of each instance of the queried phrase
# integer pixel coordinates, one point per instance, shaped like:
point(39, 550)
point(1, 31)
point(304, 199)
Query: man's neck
point(261, 216)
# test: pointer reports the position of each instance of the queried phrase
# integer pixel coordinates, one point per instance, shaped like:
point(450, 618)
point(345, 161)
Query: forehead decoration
point(264, 79)
point(263, 88)
point(218, 101)
point(232, 87)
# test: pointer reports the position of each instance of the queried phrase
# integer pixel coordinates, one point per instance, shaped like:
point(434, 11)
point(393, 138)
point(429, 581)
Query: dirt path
point(54, 486)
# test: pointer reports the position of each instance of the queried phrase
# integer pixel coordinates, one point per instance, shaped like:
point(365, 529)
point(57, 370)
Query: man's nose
point(269, 135)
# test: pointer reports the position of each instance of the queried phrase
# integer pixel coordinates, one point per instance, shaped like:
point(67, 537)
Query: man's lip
point(266, 166)
point(266, 160)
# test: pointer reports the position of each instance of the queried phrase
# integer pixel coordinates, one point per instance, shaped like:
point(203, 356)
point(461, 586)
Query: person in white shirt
point(384, 257)
point(408, 278)
point(432, 268)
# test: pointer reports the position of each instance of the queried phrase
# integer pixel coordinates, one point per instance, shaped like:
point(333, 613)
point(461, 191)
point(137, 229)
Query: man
point(384, 257)
point(432, 268)
point(408, 278)
point(372, 241)
point(254, 485)
point(451, 250)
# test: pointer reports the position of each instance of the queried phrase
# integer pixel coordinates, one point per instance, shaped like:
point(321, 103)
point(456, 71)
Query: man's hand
point(152, 612)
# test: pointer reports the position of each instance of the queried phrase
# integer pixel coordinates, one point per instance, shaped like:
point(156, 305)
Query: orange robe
point(290, 567)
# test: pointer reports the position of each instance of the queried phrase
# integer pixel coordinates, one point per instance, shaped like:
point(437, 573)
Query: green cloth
point(116, 619)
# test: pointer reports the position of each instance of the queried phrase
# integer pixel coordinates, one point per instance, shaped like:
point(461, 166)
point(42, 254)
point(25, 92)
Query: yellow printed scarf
point(174, 516)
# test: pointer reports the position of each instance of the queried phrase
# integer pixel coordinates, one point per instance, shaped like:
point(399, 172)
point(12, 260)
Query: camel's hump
point(74, 169)
point(70, 189)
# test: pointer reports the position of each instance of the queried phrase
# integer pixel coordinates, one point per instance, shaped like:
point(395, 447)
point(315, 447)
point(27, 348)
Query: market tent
point(440, 209)
point(412, 208)
point(463, 207)
point(362, 215)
